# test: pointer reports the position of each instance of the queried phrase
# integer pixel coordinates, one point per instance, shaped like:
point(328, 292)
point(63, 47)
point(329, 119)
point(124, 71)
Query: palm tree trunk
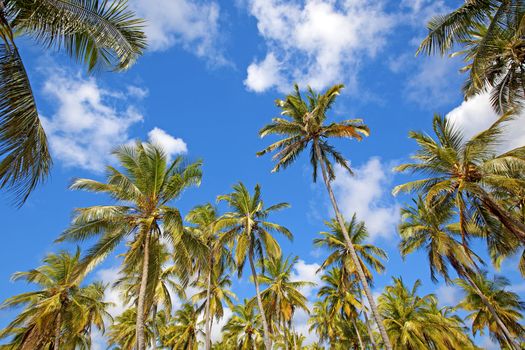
point(155, 328)
point(370, 333)
point(208, 296)
point(375, 313)
point(516, 227)
point(508, 337)
point(58, 327)
point(358, 335)
point(141, 341)
point(266, 330)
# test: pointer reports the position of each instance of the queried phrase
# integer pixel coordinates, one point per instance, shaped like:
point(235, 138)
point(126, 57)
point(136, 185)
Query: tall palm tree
point(413, 323)
point(204, 220)
point(248, 227)
point(182, 331)
point(491, 33)
point(99, 34)
point(282, 296)
point(60, 312)
point(215, 291)
point(429, 227)
point(304, 124)
point(142, 191)
point(468, 173)
point(159, 295)
point(243, 329)
point(342, 297)
point(323, 322)
point(506, 304)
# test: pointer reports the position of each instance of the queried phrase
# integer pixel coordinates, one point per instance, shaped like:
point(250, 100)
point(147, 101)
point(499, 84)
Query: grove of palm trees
point(258, 233)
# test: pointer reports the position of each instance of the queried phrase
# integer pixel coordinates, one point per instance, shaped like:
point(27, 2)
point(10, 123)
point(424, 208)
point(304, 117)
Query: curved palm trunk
point(508, 337)
point(370, 333)
point(141, 341)
point(266, 329)
point(361, 346)
point(208, 296)
point(375, 313)
point(516, 227)
point(58, 327)
point(33, 340)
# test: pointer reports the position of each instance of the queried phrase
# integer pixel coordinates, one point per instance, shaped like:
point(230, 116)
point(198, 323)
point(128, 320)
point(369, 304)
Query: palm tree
point(215, 291)
point(467, 173)
point(181, 333)
point(243, 329)
point(159, 294)
point(99, 34)
point(142, 191)
point(290, 340)
point(282, 296)
point(430, 228)
point(323, 322)
point(248, 228)
point(367, 254)
point(413, 323)
point(304, 124)
point(204, 220)
point(341, 295)
point(492, 37)
point(507, 306)
point(61, 311)
point(123, 332)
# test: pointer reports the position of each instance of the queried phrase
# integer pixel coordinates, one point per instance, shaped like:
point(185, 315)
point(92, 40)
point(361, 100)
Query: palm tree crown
point(99, 34)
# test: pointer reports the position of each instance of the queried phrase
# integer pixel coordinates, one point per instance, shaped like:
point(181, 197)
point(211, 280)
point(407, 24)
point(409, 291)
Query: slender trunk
point(369, 329)
point(155, 329)
point(141, 341)
point(266, 330)
point(58, 327)
point(508, 337)
point(34, 339)
point(375, 313)
point(208, 308)
point(516, 227)
point(358, 335)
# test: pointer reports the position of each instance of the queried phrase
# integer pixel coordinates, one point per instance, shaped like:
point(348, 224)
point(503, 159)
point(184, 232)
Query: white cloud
point(171, 145)
point(316, 42)
point(307, 272)
point(264, 75)
point(88, 122)
point(194, 25)
point(448, 295)
point(216, 331)
point(365, 194)
point(476, 115)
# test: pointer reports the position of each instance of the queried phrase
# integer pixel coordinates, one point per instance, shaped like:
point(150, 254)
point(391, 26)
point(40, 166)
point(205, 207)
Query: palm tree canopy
point(99, 34)
point(432, 228)
point(142, 191)
point(491, 33)
point(247, 224)
point(467, 172)
point(415, 322)
point(368, 254)
point(59, 292)
point(304, 123)
point(507, 304)
point(282, 295)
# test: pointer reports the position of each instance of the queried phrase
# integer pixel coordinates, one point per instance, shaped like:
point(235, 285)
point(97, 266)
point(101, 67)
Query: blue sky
point(207, 85)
